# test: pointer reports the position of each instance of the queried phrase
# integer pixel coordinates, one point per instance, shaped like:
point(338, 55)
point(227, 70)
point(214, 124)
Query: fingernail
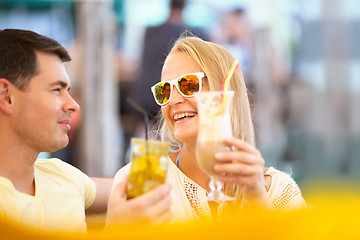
point(218, 155)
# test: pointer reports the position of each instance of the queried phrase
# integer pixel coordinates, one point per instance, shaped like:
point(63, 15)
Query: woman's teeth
point(183, 115)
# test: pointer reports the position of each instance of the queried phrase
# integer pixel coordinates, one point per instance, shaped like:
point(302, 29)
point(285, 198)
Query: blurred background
point(300, 59)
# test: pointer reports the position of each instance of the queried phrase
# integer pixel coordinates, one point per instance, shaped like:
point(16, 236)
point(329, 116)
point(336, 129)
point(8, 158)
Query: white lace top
point(186, 194)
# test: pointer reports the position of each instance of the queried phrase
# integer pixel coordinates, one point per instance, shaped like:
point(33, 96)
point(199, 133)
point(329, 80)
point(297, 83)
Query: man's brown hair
point(18, 61)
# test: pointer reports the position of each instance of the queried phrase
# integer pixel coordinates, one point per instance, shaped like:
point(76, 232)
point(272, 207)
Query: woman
point(245, 177)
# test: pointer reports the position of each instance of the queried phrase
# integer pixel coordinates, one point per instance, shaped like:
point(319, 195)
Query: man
point(157, 42)
point(35, 113)
point(166, 90)
point(184, 86)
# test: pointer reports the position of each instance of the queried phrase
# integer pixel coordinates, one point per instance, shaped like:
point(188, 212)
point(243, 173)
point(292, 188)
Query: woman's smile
point(183, 116)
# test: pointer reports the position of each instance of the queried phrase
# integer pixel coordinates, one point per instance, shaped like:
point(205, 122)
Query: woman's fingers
point(160, 212)
point(236, 156)
point(239, 173)
point(241, 145)
point(238, 168)
point(243, 165)
point(153, 206)
point(159, 207)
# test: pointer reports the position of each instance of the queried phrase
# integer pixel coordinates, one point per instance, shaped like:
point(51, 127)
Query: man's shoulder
point(55, 165)
point(51, 163)
point(54, 170)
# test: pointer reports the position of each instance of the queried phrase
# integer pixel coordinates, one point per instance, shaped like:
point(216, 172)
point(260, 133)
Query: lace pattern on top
point(191, 194)
point(290, 191)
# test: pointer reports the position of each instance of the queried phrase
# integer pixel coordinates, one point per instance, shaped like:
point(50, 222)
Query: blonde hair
point(216, 62)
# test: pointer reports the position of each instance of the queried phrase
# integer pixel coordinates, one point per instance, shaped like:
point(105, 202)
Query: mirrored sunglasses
point(188, 85)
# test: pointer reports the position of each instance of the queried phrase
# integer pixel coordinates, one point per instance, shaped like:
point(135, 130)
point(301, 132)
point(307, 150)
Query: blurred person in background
point(35, 116)
point(156, 45)
point(235, 34)
point(264, 70)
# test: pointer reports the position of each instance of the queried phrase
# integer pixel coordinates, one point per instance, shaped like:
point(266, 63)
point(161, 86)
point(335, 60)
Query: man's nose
point(71, 105)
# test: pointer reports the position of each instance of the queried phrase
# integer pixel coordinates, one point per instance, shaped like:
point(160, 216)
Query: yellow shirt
point(62, 193)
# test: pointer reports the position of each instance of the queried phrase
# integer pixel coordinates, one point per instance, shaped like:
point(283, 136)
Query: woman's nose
point(176, 97)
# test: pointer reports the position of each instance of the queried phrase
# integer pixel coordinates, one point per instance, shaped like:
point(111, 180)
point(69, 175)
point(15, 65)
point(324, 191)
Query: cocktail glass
point(148, 166)
point(214, 128)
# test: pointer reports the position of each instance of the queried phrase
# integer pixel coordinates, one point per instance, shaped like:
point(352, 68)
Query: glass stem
point(215, 187)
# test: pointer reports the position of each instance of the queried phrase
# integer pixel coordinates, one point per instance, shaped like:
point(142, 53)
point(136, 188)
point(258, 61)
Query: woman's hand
point(244, 166)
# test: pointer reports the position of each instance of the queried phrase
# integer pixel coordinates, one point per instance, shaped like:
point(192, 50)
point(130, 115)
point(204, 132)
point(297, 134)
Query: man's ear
point(5, 95)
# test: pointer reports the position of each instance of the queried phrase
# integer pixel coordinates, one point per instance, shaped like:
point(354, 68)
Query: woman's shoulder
point(273, 172)
point(283, 190)
point(175, 173)
point(276, 179)
point(122, 172)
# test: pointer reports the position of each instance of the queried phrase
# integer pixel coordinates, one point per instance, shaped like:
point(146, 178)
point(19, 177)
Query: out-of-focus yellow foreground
point(330, 215)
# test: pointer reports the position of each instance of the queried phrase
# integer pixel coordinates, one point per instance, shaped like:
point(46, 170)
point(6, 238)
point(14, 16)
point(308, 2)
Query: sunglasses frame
point(200, 76)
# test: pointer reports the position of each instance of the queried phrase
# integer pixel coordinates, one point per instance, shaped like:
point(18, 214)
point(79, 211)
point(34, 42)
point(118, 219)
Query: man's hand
point(152, 207)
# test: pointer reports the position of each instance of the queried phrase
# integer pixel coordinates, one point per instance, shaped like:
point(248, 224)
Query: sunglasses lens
point(189, 85)
point(162, 92)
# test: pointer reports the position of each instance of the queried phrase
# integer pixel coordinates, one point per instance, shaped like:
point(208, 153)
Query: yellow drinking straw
point(226, 81)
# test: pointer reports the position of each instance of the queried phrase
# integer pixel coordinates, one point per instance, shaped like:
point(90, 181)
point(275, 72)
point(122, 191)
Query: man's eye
point(57, 89)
